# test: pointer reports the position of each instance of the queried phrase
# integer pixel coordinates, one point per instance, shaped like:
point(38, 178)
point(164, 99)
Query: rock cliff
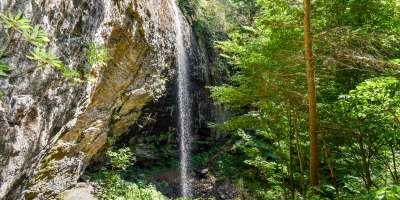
point(50, 129)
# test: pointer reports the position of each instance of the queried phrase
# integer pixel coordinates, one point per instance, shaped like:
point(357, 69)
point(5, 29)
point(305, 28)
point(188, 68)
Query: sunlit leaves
point(377, 96)
point(71, 74)
point(395, 61)
point(113, 186)
point(354, 41)
point(17, 22)
point(232, 97)
point(3, 69)
point(36, 36)
point(45, 58)
point(97, 54)
point(391, 192)
point(121, 159)
point(33, 34)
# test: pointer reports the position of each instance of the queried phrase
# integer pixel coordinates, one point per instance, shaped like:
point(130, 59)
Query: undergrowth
point(114, 187)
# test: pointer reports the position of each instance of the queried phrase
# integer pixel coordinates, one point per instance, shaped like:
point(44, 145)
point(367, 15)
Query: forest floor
point(205, 185)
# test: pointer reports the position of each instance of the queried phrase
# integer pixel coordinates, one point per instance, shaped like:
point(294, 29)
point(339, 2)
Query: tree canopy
point(356, 52)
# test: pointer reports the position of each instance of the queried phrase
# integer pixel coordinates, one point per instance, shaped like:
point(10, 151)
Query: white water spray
point(184, 105)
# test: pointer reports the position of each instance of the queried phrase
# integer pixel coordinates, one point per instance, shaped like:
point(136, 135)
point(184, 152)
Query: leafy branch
point(36, 36)
point(43, 58)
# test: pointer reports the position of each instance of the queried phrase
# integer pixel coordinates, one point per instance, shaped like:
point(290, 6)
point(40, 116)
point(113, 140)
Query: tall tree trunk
point(312, 105)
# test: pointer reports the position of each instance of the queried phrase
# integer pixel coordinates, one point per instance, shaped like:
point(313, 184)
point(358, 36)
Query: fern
point(17, 22)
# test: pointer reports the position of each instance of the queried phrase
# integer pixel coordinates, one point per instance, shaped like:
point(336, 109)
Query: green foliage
point(45, 58)
point(36, 36)
point(97, 54)
point(212, 19)
point(17, 22)
point(356, 52)
point(395, 61)
point(257, 96)
point(121, 159)
point(113, 187)
point(376, 14)
point(391, 192)
point(71, 74)
point(376, 98)
point(189, 7)
point(160, 147)
point(33, 34)
point(3, 69)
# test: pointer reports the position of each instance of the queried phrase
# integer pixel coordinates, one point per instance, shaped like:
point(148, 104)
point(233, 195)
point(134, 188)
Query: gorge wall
point(50, 129)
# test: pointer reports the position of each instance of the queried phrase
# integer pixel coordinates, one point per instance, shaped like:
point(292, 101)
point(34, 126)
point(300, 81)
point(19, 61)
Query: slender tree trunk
point(312, 104)
point(300, 157)
point(365, 163)
point(390, 170)
point(302, 182)
point(291, 135)
point(396, 177)
point(330, 166)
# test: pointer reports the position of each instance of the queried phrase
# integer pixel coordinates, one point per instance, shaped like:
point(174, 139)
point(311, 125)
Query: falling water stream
point(184, 105)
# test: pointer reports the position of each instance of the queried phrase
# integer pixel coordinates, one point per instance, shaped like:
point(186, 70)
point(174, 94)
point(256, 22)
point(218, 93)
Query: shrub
point(120, 159)
point(113, 187)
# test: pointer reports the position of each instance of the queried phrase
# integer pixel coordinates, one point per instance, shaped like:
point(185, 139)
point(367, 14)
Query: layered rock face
point(50, 129)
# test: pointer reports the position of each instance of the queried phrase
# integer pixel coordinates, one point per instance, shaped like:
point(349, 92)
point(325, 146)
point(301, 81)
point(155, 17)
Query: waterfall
point(184, 105)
